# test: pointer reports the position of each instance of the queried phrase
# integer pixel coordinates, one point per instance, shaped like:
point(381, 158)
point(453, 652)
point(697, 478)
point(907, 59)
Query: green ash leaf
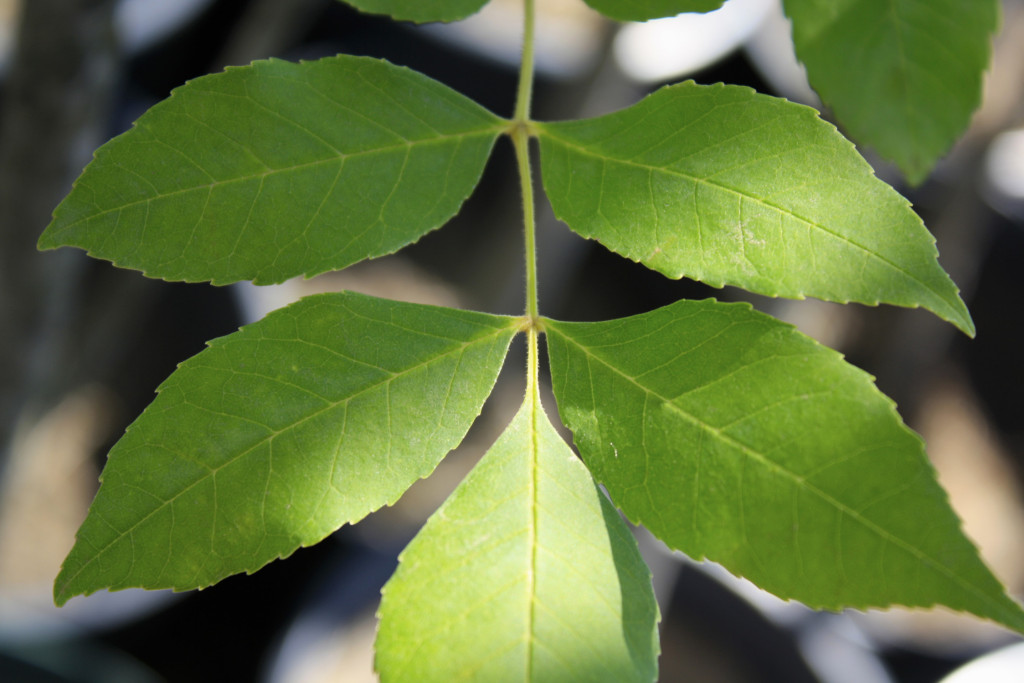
point(526, 573)
point(903, 76)
point(278, 434)
point(642, 10)
point(276, 169)
point(421, 11)
point(732, 436)
point(729, 187)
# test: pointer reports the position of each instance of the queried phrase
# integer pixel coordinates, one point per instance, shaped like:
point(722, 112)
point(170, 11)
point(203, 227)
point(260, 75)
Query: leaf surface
point(421, 11)
point(902, 76)
point(276, 169)
point(526, 573)
point(729, 187)
point(276, 435)
point(732, 436)
point(642, 10)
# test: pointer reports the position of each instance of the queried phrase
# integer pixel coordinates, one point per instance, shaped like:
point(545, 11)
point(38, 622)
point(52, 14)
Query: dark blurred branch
point(55, 101)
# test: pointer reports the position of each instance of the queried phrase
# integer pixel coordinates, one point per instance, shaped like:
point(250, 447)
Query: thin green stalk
point(521, 140)
point(525, 93)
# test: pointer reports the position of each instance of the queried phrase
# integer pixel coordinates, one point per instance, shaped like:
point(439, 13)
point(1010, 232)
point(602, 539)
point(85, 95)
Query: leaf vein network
point(810, 223)
point(755, 456)
point(273, 433)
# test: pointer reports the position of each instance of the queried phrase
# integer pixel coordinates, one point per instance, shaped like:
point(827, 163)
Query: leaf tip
point(46, 241)
point(967, 327)
point(915, 173)
point(60, 598)
point(960, 317)
point(62, 590)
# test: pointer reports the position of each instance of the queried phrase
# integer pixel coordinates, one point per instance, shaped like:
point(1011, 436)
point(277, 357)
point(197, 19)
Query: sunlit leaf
point(276, 435)
point(732, 436)
point(421, 10)
point(729, 187)
point(903, 76)
point(642, 10)
point(526, 573)
point(277, 169)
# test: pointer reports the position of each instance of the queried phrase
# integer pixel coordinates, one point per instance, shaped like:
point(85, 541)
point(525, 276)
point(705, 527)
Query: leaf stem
point(520, 133)
point(525, 92)
point(521, 141)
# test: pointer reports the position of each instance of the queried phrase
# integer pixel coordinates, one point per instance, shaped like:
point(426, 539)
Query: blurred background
point(83, 345)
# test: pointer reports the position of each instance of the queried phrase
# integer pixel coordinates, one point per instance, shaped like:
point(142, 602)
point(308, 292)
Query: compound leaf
point(903, 76)
point(421, 11)
point(277, 169)
point(642, 10)
point(526, 573)
point(732, 436)
point(276, 435)
point(726, 186)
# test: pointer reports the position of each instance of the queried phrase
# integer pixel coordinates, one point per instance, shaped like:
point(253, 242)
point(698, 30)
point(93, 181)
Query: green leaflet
point(277, 169)
point(276, 435)
point(421, 10)
point(526, 573)
point(729, 187)
point(732, 436)
point(642, 10)
point(903, 76)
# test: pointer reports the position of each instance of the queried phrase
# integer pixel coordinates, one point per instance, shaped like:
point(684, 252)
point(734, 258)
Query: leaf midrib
point(493, 130)
point(797, 480)
point(533, 488)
